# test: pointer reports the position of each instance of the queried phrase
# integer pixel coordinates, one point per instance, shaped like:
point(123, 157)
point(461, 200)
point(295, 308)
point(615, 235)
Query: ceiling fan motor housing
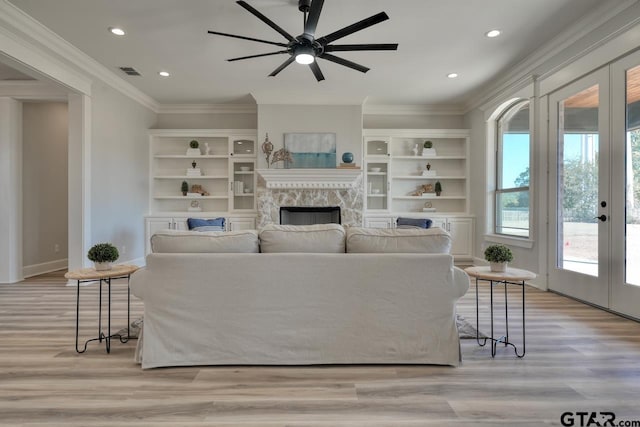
point(304, 5)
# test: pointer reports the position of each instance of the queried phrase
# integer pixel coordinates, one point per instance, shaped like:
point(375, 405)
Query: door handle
point(602, 217)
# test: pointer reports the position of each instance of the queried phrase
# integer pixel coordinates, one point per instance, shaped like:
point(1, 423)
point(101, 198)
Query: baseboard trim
point(45, 267)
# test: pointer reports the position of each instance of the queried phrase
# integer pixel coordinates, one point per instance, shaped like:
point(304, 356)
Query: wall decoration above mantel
point(311, 150)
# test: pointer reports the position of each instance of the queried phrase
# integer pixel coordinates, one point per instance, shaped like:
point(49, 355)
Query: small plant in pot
point(428, 144)
point(194, 144)
point(184, 188)
point(498, 257)
point(102, 255)
point(438, 188)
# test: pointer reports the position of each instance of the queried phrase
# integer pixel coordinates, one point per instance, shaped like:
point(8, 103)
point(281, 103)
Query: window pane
point(513, 147)
point(632, 241)
point(578, 178)
point(512, 210)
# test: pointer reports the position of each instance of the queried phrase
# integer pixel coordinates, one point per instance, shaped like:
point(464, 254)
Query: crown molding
point(24, 26)
point(524, 68)
point(412, 110)
point(31, 90)
point(207, 109)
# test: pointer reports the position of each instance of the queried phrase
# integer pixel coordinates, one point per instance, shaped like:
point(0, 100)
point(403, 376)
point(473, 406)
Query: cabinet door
point(237, 224)
point(379, 222)
point(461, 230)
point(243, 184)
point(438, 221)
point(180, 224)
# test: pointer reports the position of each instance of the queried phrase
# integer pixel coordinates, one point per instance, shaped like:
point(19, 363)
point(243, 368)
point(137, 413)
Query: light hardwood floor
point(578, 359)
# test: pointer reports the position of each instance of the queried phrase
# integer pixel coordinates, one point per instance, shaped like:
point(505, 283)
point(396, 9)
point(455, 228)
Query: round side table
point(84, 275)
point(513, 276)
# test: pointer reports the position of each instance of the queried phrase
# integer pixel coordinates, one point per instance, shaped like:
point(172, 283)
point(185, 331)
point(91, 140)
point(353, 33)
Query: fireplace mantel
point(309, 178)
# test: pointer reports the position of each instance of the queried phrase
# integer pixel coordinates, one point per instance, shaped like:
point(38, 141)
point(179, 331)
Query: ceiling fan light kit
point(306, 48)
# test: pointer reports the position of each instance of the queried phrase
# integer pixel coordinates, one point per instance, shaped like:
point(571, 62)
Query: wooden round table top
point(92, 274)
point(512, 274)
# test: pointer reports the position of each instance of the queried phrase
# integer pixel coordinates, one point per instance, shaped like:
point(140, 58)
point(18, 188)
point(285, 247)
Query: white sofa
point(303, 300)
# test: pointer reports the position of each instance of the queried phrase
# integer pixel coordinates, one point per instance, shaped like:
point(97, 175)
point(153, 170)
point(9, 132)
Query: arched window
point(512, 171)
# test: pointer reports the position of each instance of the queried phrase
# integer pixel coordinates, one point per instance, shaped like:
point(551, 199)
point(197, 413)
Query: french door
point(594, 220)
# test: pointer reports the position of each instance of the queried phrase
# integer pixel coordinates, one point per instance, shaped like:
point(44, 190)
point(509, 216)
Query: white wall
point(207, 121)
point(119, 171)
point(44, 183)
point(10, 190)
point(414, 121)
point(344, 120)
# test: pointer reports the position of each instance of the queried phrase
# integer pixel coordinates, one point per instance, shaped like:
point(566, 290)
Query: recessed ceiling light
point(117, 31)
point(493, 33)
point(164, 73)
point(452, 75)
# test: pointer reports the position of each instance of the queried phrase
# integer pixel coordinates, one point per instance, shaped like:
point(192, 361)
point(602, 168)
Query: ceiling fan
point(306, 48)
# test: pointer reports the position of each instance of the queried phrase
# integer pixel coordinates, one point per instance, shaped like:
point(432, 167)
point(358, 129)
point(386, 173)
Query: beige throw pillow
point(324, 238)
point(397, 240)
point(176, 241)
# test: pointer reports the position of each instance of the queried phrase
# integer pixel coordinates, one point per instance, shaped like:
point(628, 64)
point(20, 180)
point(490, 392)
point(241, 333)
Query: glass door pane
point(578, 180)
point(632, 241)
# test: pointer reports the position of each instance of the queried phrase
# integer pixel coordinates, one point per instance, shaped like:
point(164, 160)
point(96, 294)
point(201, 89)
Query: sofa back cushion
point(414, 240)
point(324, 238)
point(175, 241)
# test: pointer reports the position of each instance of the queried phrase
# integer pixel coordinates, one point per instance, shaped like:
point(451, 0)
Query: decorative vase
point(347, 157)
point(498, 267)
point(102, 266)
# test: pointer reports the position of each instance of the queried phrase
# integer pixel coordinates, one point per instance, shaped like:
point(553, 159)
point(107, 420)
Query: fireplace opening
point(308, 215)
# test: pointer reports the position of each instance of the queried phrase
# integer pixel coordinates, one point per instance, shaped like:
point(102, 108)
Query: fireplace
point(307, 215)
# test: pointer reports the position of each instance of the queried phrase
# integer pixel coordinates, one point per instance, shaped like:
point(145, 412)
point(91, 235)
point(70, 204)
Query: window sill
point(512, 241)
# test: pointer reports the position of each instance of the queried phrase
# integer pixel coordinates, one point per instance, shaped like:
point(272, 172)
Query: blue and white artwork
point(311, 150)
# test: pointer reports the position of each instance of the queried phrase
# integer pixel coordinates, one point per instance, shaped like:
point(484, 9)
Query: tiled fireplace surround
point(309, 187)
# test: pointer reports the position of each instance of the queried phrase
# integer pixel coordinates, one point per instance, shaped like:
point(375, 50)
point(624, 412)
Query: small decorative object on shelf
point(194, 171)
point(428, 207)
point(347, 157)
point(415, 150)
point(267, 148)
point(438, 188)
point(498, 257)
point(102, 255)
point(282, 155)
point(198, 190)
point(184, 188)
point(422, 189)
point(427, 149)
point(195, 206)
point(193, 149)
point(207, 149)
point(428, 172)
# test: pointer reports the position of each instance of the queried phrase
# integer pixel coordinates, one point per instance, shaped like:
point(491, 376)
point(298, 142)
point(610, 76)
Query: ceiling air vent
point(130, 71)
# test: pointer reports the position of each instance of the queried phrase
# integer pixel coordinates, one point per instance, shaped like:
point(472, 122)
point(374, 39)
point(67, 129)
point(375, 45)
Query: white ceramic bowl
point(245, 168)
point(375, 169)
point(375, 191)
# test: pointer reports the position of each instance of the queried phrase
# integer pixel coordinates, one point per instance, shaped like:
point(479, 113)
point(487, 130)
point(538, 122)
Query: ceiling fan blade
point(354, 47)
point(257, 56)
point(315, 68)
point(284, 65)
point(266, 20)
point(344, 62)
point(246, 38)
point(312, 19)
point(365, 23)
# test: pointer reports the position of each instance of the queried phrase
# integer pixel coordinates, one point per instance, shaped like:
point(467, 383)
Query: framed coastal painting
point(311, 150)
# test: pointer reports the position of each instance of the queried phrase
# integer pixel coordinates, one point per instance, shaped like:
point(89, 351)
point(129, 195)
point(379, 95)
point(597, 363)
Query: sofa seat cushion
point(413, 240)
point(175, 241)
point(318, 238)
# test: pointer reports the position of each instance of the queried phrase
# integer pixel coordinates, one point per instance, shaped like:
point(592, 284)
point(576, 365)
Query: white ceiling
point(435, 37)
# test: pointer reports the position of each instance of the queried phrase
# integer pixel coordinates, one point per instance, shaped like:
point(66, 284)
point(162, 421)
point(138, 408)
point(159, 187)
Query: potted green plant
point(185, 188)
point(102, 255)
point(427, 149)
point(194, 148)
point(438, 188)
point(498, 257)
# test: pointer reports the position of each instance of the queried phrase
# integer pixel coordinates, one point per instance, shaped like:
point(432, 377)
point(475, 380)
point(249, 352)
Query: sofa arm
point(460, 282)
point(137, 282)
